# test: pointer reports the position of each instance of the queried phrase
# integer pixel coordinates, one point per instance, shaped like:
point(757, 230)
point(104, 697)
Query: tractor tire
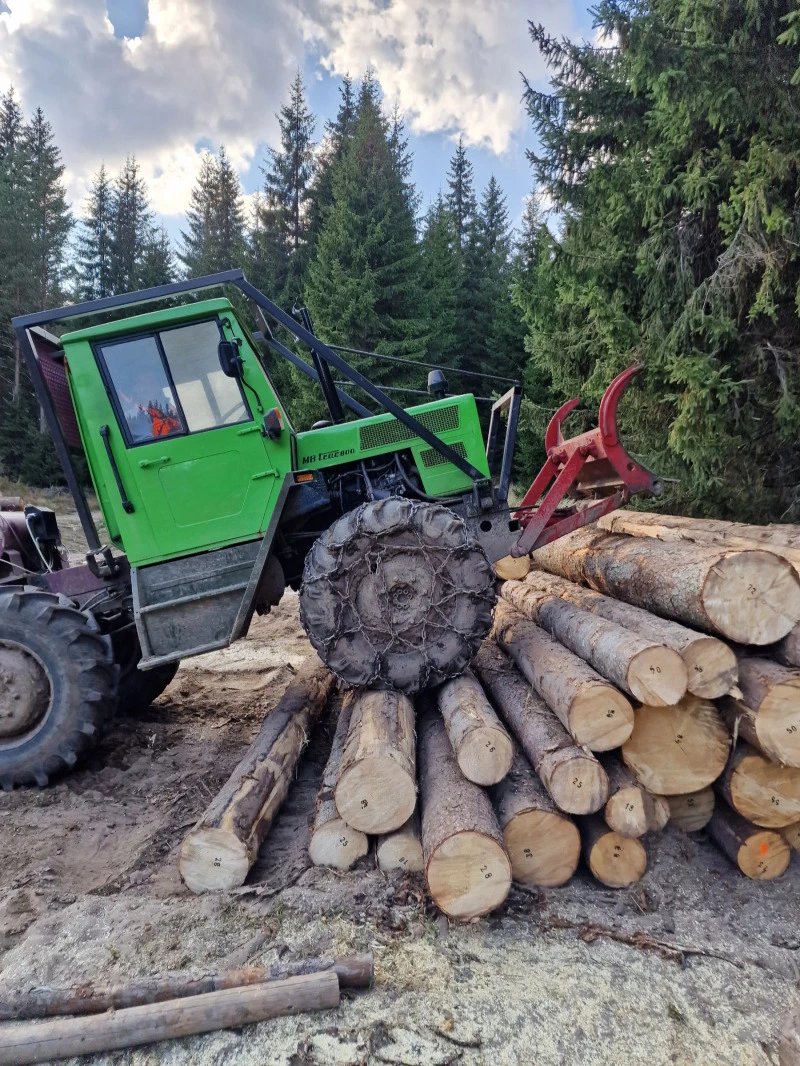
point(138, 688)
point(58, 685)
point(396, 595)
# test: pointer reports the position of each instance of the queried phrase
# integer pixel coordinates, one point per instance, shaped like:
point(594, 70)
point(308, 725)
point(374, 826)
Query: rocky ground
point(694, 965)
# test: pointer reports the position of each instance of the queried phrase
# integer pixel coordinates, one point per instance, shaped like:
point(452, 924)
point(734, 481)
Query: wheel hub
point(24, 690)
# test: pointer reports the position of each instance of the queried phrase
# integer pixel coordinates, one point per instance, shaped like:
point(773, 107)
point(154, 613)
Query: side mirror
point(229, 359)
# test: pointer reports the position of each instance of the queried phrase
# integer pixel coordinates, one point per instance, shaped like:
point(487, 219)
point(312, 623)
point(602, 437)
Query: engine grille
point(381, 434)
point(430, 457)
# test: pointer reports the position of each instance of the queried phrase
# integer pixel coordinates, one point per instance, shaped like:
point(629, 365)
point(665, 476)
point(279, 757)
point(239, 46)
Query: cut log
point(353, 971)
point(766, 794)
point(752, 597)
point(631, 810)
point(615, 861)
point(543, 844)
point(692, 811)
point(402, 849)
point(791, 834)
point(781, 540)
point(787, 651)
point(760, 854)
point(228, 1009)
point(652, 673)
point(376, 790)
point(219, 851)
point(674, 750)
point(512, 568)
point(710, 664)
point(768, 714)
point(466, 866)
point(333, 842)
point(482, 747)
point(789, 1043)
point(573, 777)
point(595, 713)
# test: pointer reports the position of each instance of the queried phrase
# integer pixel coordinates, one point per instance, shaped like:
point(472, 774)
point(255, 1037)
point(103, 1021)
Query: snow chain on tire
point(396, 595)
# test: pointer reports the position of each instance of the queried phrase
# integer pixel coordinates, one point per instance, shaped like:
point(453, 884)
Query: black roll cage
point(323, 355)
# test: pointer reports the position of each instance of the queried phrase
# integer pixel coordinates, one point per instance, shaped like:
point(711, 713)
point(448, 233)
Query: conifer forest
point(663, 227)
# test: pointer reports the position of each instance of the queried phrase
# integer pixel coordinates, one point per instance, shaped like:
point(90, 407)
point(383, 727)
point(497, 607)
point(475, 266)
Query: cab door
point(194, 453)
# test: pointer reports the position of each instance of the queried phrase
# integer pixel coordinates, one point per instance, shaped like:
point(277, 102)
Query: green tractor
point(213, 503)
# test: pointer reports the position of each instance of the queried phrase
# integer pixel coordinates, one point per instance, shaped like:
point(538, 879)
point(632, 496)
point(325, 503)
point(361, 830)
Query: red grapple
point(594, 465)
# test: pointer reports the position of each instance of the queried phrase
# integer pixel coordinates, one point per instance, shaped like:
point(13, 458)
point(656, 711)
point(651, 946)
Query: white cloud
point(203, 70)
point(452, 64)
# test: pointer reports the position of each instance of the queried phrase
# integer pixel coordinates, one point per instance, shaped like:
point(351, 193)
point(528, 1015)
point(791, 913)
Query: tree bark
point(227, 1009)
point(752, 597)
point(595, 713)
point(512, 568)
point(651, 673)
point(353, 971)
point(573, 777)
point(333, 842)
point(674, 750)
point(761, 791)
point(787, 651)
point(614, 860)
point(543, 844)
point(768, 714)
point(466, 866)
point(402, 849)
point(791, 834)
point(376, 790)
point(631, 810)
point(692, 811)
point(710, 664)
point(760, 854)
point(482, 747)
point(219, 851)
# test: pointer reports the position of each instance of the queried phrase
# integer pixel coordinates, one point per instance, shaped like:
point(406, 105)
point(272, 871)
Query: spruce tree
point(441, 275)
point(51, 221)
point(131, 223)
point(157, 260)
point(337, 134)
point(289, 175)
point(215, 238)
point(93, 253)
point(197, 253)
point(461, 199)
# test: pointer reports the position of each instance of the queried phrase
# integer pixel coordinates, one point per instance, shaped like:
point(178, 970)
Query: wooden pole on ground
point(543, 844)
point(62, 1038)
point(353, 971)
point(631, 810)
point(761, 791)
point(674, 750)
point(219, 851)
point(595, 713)
point(710, 664)
point(752, 597)
point(333, 842)
point(402, 849)
point(615, 861)
point(376, 790)
point(692, 811)
point(652, 673)
point(768, 714)
point(760, 854)
point(483, 749)
point(466, 866)
point(573, 777)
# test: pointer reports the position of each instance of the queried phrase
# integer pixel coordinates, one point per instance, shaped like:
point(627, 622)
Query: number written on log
point(610, 712)
point(776, 802)
point(527, 853)
point(577, 782)
point(752, 589)
point(218, 862)
point(617, 850)
point(364, 803)
point(486, 874)
point(691, 801)
point(655, 669)
point(489, 745)
point(791, 729)
point(678, 738)
point(698, 669)
point(344, 841)
point(628, 806)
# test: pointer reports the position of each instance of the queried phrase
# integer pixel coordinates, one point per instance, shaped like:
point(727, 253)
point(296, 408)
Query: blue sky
point(163, 78)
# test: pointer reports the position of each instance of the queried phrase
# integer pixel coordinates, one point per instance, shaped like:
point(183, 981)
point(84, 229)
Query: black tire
point(396, 595)
point(138, 688)
point(77, 691)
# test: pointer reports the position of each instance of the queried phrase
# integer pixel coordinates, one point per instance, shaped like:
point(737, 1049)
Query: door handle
point(127, 506)
point(146, 463)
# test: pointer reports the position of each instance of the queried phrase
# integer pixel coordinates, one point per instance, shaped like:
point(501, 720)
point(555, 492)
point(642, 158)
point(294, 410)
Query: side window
point(143, 389)
point(207, 397)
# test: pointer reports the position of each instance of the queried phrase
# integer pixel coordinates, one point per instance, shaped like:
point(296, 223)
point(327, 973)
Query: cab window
point(144, 395)
point(208, 397)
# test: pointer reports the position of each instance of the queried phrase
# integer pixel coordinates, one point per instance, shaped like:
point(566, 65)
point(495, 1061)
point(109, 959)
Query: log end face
point(711, 667)
point(777, 723)
point(211, 860)
point(692, 812)
point(468, 875)
point(485, 756)
point(752, 597)
point(338, 845)
point(764, 855)
point(544, 848)
point(617, 861)
point(400, 852)
point(376, 795)
point(625, 813)
point(511, 569)
point(765, 793)
point(579, 786)
point(658, 677)
point(601, 718)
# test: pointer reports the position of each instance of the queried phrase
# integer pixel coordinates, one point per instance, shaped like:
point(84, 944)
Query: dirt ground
point(696, 965)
